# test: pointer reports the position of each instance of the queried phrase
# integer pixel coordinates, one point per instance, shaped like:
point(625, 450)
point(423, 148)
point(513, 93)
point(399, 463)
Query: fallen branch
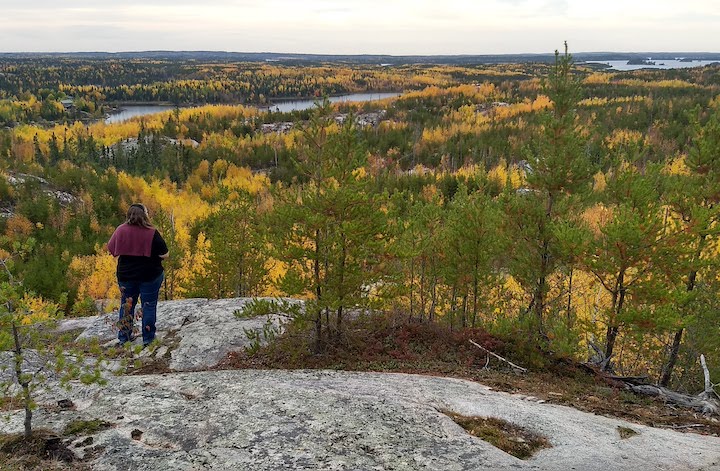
point(524, 370)
point(698, 403)
point(636, 380)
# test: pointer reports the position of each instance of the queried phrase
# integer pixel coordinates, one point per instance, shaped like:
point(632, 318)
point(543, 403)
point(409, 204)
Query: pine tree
point(472, 249)
point(695, 199)
point(560, 170)
point(330, 230)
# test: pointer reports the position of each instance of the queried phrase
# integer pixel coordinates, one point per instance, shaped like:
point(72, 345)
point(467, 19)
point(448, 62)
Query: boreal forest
point(564, 205)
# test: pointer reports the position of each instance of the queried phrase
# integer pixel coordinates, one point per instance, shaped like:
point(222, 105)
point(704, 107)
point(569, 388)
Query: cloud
point(359, 26)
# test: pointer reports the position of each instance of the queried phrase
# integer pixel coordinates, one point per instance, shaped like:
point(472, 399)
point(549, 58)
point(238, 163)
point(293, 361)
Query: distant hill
point(361, 59)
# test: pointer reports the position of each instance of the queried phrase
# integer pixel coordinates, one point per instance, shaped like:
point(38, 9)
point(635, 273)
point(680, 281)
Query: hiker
point(141, 250)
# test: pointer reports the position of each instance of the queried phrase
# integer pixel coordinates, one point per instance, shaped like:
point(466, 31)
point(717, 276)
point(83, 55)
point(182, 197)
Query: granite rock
point(329, 420)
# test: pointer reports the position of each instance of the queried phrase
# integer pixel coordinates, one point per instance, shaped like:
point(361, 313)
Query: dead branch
point(524, 370)
point(709, 387)
point(699, 403)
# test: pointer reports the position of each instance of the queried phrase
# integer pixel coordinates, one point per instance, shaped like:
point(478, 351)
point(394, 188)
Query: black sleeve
point(159, 247)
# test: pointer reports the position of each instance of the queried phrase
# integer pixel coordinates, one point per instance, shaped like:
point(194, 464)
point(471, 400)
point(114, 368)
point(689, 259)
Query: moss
point(43, 451)
point(85, 427)
point(510, 438)
point(626, 432)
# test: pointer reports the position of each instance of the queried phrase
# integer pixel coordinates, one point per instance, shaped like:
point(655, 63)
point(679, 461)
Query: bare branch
point(524, 370)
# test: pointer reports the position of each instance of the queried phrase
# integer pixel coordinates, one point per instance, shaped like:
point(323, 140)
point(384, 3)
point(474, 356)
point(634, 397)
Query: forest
point(561, 203)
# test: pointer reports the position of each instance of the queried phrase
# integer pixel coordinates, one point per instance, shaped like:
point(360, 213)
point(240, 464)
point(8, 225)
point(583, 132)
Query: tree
point(330, 230)
point(28, 330)
point(236, 264)
point(632, 255)
point(695, 200)
point(559, 169)
point(472, 249)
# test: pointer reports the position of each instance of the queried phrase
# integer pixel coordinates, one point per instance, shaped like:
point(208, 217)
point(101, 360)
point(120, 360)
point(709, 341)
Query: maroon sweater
point(131, 240)
point(139, 250)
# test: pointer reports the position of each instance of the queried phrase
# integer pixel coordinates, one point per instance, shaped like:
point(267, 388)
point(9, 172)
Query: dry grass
point(510, 438)
point(43, 451)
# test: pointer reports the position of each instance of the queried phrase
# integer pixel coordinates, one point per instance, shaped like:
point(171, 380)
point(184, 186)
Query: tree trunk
point(422, 289)
point(475, 290)
point(677, 339)
point(541, 287)
point(318, 294)
point(433, 300)
point(24, 383)
point(463, 318)
point(613, 328)
point(412, 287)
point(672, 359)
point(341, 294)
point(569, 301)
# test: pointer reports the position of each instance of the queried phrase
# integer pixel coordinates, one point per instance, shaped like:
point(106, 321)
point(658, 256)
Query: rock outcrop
point(276, 420)
point(323, 420)
point(194, 333)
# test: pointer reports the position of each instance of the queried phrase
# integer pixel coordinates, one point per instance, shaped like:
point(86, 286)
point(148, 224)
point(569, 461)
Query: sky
point(396, 27)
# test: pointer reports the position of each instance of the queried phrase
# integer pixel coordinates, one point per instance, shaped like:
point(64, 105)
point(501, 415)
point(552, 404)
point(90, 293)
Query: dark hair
point(137, 215)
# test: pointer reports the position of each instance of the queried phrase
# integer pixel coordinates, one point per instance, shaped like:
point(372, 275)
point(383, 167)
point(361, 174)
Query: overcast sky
point(360, 26)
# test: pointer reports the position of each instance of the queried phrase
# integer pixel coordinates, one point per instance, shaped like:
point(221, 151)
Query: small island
point(640, 62)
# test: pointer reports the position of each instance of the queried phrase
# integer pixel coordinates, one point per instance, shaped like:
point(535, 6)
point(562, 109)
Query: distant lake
point(286, 106)
point(131, 111)
point(659, 64)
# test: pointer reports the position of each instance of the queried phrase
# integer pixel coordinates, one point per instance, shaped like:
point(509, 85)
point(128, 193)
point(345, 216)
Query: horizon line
point(218, 51)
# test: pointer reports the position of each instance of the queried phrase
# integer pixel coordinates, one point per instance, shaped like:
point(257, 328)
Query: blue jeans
point(148, 292)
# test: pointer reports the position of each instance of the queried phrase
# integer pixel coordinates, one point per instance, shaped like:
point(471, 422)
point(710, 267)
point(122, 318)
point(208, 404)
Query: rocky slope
point(323, 420)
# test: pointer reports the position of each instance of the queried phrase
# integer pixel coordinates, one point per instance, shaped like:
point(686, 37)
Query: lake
point(659, 64)
point(132, 111)
point(286, 106)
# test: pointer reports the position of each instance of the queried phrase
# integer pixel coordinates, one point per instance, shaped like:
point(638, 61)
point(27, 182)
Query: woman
point(141, 250)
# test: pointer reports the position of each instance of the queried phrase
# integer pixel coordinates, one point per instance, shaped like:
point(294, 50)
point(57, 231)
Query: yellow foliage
point(657, 83)
point(598, 78)
point(276, 270)
point(359, 173)
point(18, 227)
point(95, 275)
point(470, 171)
point(242, 178)
point(597, 216)
point(677, 166)
point(623, 137)
point(502, 173)
point(35, 309)
point(499, 173)
point(185, 206)
point(599, 182)
point(430, 193)
point(194, 266)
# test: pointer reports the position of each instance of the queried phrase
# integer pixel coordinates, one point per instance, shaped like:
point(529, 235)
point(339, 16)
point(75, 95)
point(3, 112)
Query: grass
point(510, 438)
point(43, 451)
point(85, 427)
point(626, 432)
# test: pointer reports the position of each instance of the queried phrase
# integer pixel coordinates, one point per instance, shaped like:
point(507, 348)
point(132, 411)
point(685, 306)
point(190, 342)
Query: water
point(659, 64)
point(132, 111)
point(286, 106)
